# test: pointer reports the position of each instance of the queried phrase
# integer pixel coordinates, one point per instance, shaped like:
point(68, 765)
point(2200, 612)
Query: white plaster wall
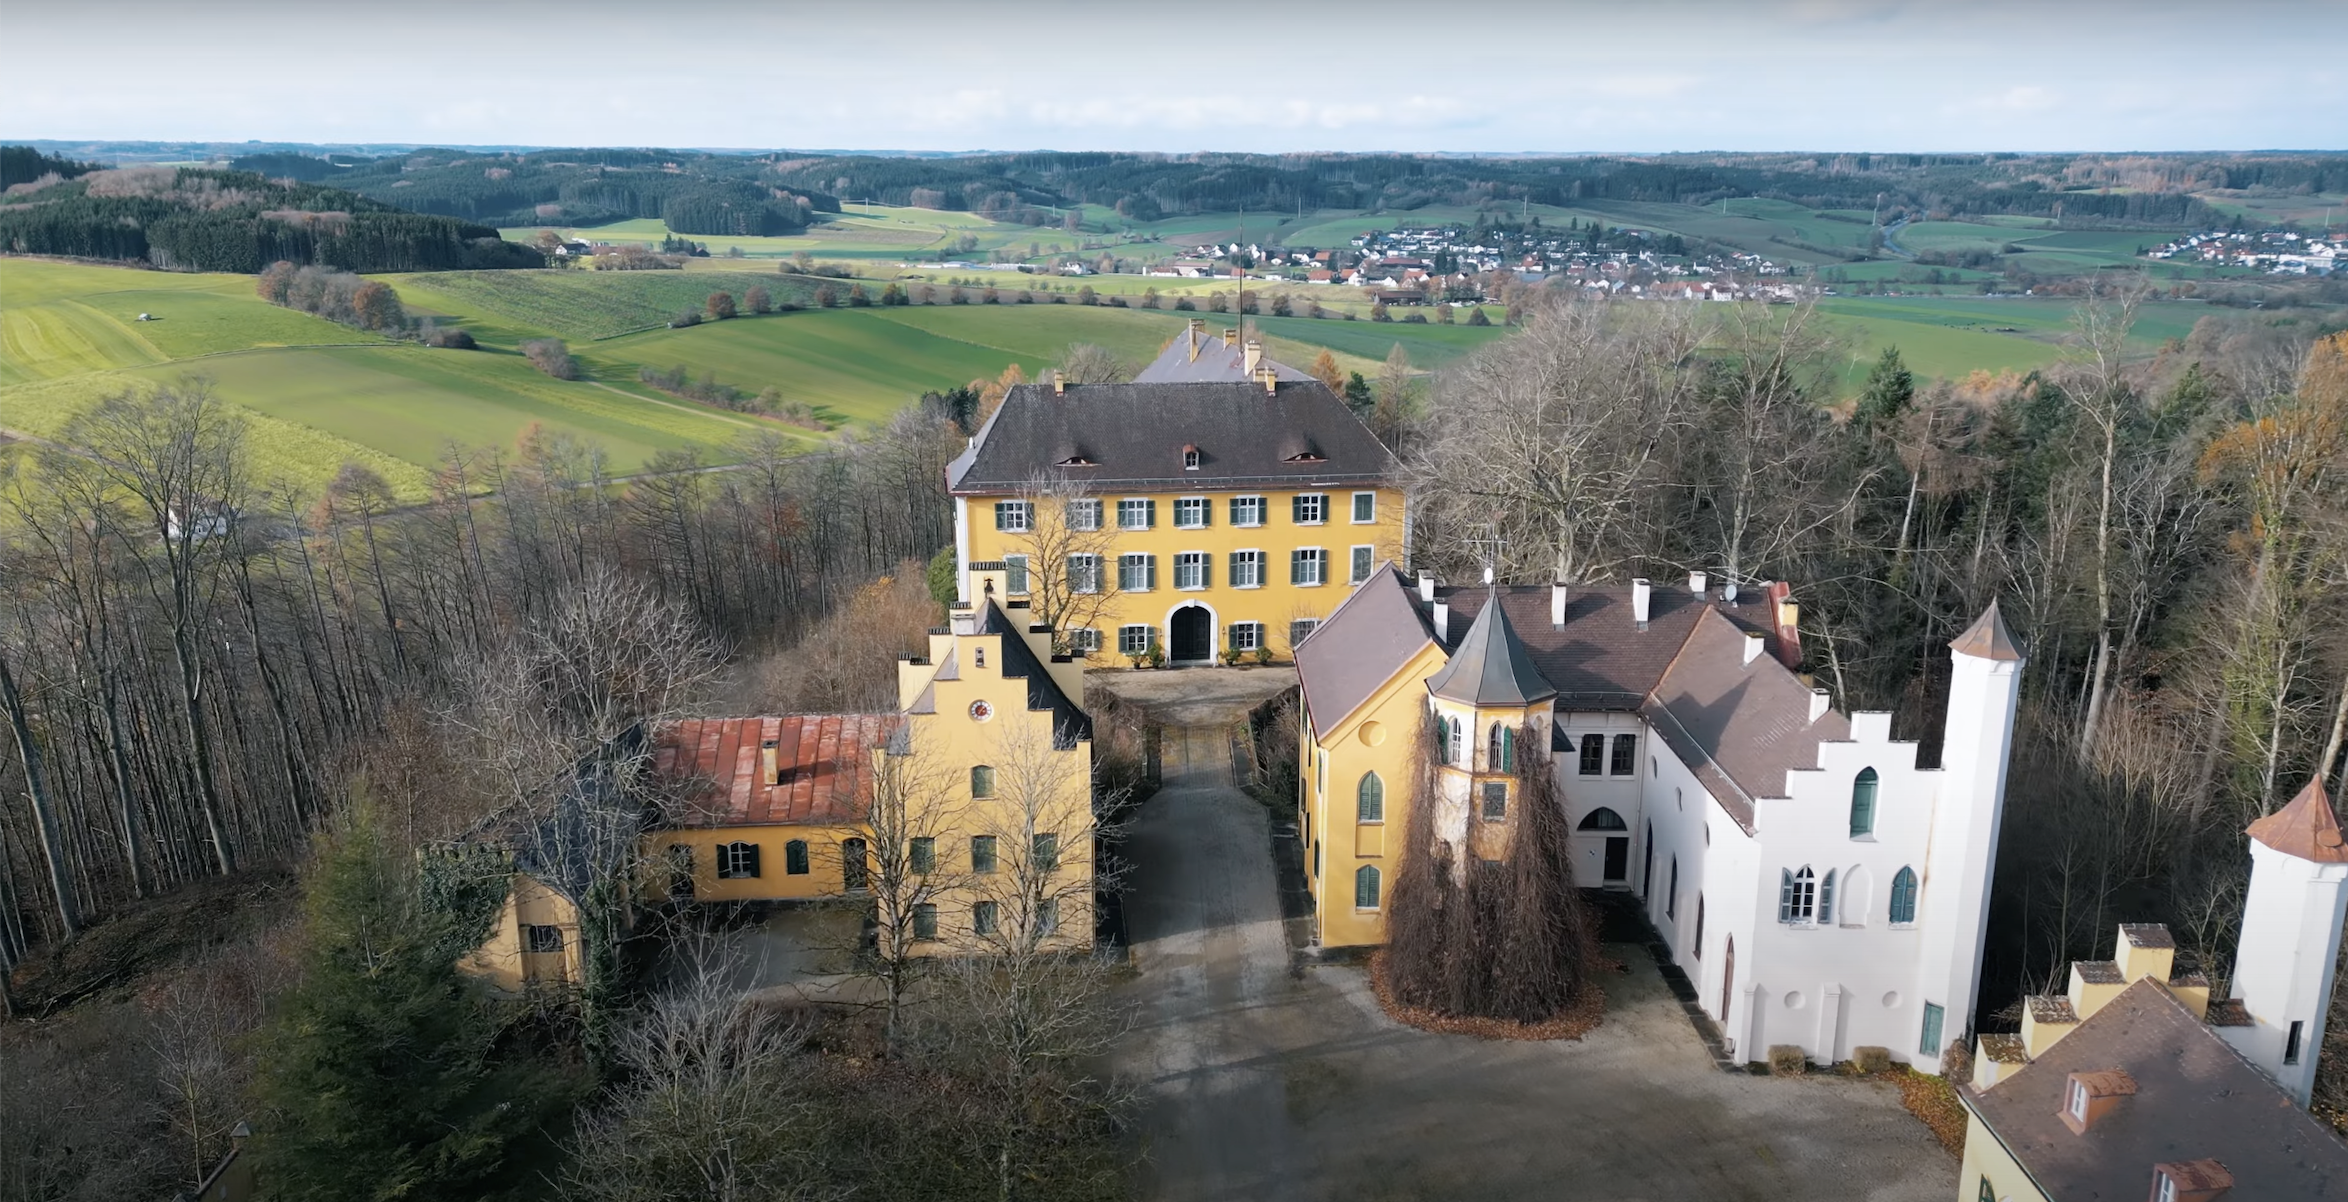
point(1717, 863)
point(1831, 987)
point(1625, 795)
point(2291, 928)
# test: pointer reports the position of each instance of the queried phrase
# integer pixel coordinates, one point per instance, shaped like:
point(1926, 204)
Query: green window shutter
point(1365, 887)
point(1150, 508)
point(1863, 803)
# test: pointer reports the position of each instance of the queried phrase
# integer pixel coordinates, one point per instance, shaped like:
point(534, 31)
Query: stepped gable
point(1490, 667)
point(1360, 647)
point(2196, 1099)
point(2307, 828)
point(1987, 637)
point(823, 762)
point(1069, 721)
point(1739, 726)
point(1132, 436)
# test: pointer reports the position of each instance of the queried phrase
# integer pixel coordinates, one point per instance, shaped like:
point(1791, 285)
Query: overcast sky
point(1636, 75)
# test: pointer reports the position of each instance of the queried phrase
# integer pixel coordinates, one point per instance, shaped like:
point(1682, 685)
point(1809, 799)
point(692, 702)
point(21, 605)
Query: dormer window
point(1306, 457)
point(2191, 1181)
point(2087, 1097)
point(1074, 461)
point(1190, 459)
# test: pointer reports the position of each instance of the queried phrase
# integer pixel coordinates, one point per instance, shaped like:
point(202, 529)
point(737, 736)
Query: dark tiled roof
point(593, 828)
point(1133, 435)
point(2051, 1008)
point(1602, 659)
point(1215, 362)
point(1490, 666)
point(2099, 972)
point(1740, 727)
point(824, 762)
point(1069, 722)
point(1359, 647)
point(2306, 828)
point(2147, 935)
point(2196, 1099)
point(2005, 1049)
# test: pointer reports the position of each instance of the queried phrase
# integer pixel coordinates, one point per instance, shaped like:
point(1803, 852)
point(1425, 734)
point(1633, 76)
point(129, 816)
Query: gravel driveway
point(1264, 1082)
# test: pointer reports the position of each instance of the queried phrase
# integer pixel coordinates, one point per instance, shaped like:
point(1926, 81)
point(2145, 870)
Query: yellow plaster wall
point(500, 959)
point(1275, 603)
point(1985, 1157)
point(954, 740)
point(823, 877)
point(1327, 809)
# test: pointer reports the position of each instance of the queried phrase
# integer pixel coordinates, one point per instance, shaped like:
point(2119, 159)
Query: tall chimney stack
point(1641, 594)
point(769, 772)
point(1254, 352)
point(1557, 606)
point(1696, 582)
point(1059, 383)
point(1230, 336)
point(1820, 702)
point(1196, 334)
point(1426, 587)
point(1787, 618)
point(1443, 622)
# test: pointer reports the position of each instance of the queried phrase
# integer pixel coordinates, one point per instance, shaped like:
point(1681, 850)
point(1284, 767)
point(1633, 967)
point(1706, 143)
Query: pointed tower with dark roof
point(1491, 667)
point(2290, 945)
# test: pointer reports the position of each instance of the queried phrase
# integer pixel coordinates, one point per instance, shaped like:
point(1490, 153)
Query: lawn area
point(1952, 336)
point(582, 305)
point(64, 319)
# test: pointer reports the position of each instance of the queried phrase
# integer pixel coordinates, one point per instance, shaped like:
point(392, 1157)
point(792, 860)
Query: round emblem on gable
point(980, 711)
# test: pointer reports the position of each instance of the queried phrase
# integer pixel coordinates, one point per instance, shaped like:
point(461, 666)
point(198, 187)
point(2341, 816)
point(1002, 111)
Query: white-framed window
point(1135, 640)
point(2167, 1191)
point(1365, 507)
point(2078, 1100)
point(1084, 513)
point(1302, 629)
point(1308, 566)
point(1190, 459)
point(1247, 511)
point(1137, 572)
point(1192, 513)
point(1013, 516)
point(1084, 640)
point(737, 860)
point(1363, 561)
point(1084, 573)
point(1015, 575)
point(1191, 570)
point(1797, 895)
point(1310, 508)
point(1247, 569)
point(1626, 756)
point(1137, 513)
point(1247, 636)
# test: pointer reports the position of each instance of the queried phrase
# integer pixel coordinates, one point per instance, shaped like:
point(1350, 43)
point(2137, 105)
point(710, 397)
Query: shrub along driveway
point(1267, 1082)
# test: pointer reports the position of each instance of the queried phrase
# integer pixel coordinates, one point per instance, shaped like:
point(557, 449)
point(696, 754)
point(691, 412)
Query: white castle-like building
point(1817, 886)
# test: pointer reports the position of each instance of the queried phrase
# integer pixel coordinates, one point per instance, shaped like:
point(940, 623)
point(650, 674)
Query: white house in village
point(1818, 886)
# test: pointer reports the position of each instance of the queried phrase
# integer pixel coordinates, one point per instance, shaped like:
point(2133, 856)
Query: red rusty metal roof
point(823, 767)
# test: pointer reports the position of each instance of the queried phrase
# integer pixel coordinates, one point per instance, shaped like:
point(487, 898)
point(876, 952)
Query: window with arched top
point(1602, 819)
point(1365, 887)
point(1826, 898)
point(1370, 799)
point(1863, 803)
point(1903, 897)
point(1455, 748)
point(1797, 895)
point(1857, 896)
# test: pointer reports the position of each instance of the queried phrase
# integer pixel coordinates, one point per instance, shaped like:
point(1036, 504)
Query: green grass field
point(66, 319)
point(582, 305)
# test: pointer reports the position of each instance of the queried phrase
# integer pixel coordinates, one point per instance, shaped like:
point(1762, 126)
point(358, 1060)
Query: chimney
point(1641, 593)
point(1443, 623)
point(1787, 617)
point(1753, 645)
point(1820, 702)
point(1197, 333)
point(1271, 380)
point(1230, 336)
point(1427, 587)
point(768, 772)
point(1255, 355)
point(1557, 606)
point(1059, 384)
point(1696, 583)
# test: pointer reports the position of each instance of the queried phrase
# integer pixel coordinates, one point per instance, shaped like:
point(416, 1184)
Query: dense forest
point(187, 219)
point(694, 192)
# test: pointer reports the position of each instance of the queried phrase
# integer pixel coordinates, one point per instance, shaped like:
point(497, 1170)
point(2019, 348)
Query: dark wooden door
point(1618, 858)
point(1193, 636)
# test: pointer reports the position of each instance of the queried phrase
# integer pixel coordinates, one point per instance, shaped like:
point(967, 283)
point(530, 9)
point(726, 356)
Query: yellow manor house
point(1183, 522)
point(969, 809)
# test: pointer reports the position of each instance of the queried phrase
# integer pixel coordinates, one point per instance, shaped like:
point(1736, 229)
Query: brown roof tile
point(2306, 828)
point(2099, 972)
point(2147, 935)
point(2005, 1049)
point(1359, 647)
point(2196, 1099)
point(824, 762)
point(2051, 1008)
point(1988, 637)
point(1740, 727)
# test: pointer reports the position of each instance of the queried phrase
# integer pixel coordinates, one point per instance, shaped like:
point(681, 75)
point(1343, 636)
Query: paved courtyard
point(1267, 1082)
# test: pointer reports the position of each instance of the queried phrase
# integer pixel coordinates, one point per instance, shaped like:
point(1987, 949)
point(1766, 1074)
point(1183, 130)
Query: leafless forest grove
point(199, 669)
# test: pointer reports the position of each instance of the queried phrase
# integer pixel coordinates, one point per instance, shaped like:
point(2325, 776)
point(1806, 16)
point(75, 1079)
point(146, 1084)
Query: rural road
point(1263, 1082)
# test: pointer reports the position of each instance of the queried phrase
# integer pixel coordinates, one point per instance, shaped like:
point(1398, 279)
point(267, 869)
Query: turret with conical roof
point(1491, 668)
point(2290, 944)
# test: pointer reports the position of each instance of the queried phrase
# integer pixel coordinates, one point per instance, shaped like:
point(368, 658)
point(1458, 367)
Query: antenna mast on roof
point(1487, 546)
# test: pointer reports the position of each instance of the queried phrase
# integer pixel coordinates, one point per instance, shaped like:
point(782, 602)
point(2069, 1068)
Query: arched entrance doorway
point(1604, 836)
point(1191, 639)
